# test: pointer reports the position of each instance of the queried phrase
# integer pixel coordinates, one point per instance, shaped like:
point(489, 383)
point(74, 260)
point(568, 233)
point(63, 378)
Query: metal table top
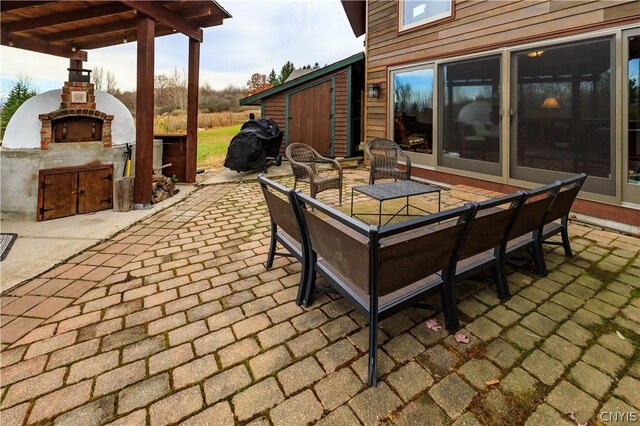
point(392, 190)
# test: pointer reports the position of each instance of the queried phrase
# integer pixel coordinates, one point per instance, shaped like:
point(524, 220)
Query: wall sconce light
point(125, 40)
point(74, 48)
point(10, 43)
point(535, 53)
point(373, 90)
point(550, 103)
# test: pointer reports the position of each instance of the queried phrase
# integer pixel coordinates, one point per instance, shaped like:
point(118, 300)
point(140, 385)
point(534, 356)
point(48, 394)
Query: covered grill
point(257, 146)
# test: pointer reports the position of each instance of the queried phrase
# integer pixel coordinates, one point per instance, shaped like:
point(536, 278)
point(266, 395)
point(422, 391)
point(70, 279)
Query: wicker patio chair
point(384, 155)
point(303, 160)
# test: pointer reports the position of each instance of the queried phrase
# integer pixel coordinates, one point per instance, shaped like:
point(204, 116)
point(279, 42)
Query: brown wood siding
point(340, 119)
point(275, 108)
point(477, 26)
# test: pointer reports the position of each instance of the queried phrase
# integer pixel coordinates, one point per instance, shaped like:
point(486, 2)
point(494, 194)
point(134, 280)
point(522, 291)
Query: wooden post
point(144, 112)
point(123, 194)
point(192, 110)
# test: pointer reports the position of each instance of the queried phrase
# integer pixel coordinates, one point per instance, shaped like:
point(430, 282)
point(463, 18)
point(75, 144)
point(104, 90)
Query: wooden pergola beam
point(65, 17)
point(79, 33)
point(38, 45)
point(166, 17)
point(7, 6)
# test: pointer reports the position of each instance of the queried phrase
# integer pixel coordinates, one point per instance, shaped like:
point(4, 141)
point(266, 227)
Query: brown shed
point(321, 108)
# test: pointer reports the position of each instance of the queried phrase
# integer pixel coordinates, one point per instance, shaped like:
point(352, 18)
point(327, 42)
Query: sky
point(261, 35)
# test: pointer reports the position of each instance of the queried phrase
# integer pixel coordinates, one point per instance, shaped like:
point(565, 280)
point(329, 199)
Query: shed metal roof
point(256, 98)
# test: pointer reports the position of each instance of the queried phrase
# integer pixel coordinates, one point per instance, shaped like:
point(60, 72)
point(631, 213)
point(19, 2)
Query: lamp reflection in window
point(550, 103)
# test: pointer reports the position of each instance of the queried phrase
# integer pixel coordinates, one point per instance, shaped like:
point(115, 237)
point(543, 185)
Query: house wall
point(274, 107)
point(476, 27)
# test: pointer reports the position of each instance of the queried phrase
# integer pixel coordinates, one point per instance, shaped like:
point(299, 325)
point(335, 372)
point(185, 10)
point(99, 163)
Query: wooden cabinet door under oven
point(69, 191)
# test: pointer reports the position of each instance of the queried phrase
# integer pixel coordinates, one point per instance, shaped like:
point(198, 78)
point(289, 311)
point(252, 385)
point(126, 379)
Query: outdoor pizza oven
point(63, 150)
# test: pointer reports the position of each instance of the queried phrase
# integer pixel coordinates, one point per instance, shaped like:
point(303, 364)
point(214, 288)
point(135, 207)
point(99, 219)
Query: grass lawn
point(213, 144)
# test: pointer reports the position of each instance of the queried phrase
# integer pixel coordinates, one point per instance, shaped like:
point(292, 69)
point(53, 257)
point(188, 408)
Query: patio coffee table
point(393, 190)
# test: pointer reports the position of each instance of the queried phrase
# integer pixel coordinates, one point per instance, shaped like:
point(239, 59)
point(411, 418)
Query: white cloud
point(263, 34)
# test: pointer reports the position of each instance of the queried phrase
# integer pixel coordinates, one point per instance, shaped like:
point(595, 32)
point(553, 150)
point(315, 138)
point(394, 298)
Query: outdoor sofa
point(381, 270)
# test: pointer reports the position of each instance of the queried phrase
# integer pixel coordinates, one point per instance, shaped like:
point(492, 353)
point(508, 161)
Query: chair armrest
point(407, 161)
point(307, 168)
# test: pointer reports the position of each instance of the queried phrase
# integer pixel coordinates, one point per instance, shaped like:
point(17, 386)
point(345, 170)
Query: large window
point(412, 125)
point(633, 111)
point(417, 12)
point(563, 97)
point(470, 115)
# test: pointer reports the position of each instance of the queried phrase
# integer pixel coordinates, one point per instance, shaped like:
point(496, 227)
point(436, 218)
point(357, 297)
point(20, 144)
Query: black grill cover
point(249, 149)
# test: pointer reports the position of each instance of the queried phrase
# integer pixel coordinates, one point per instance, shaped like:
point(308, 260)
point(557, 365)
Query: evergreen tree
point(272, 79)
point(19, 93)
point(286, 70)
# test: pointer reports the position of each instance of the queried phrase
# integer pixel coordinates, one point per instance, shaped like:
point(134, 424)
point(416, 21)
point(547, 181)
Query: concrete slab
point(42, 245)
point(227, 175)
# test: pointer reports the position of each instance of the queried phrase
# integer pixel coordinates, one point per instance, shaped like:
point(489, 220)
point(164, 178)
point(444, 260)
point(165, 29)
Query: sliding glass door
point(562, 102)
point(469, 115)
point(631, 116)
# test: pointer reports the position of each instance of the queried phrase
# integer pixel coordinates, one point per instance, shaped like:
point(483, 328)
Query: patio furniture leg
point(538, 256)
point(310, 286)
point(303, 282)
point(272, 245)
point(449, 305)
point(373, 349)
point(564, 231)
point(352, 202)
point(501, 276)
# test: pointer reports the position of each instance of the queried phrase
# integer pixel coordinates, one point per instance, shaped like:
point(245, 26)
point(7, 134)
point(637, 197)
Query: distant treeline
point(170, 93)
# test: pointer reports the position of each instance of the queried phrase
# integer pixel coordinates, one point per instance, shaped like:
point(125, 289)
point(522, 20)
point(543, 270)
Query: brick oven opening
point(77, 129)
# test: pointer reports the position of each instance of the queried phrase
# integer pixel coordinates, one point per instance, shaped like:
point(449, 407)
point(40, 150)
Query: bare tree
point(97, 76)
point(111, 83)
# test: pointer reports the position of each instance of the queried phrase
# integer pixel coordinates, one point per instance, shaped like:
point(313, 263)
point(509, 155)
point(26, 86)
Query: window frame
point(436, 18)
point(472, 166)
point(419, 159)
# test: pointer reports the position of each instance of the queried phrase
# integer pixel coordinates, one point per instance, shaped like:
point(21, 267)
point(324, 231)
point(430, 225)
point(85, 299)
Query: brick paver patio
point(177, 320)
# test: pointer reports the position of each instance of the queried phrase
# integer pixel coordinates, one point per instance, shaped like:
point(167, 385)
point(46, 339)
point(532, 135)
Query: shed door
point(95, 189)
point(58, 195)
point(310, 117)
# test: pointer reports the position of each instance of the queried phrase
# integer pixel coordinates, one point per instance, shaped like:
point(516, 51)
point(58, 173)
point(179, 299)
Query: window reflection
point(471, 108)
point(633, 171)
point(416, 12)
point(564, 108)
point(413, 110)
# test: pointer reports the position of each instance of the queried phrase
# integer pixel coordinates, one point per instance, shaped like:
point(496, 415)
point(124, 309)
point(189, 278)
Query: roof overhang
point(257, 98)
point(67, 28)
point(356, 11)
